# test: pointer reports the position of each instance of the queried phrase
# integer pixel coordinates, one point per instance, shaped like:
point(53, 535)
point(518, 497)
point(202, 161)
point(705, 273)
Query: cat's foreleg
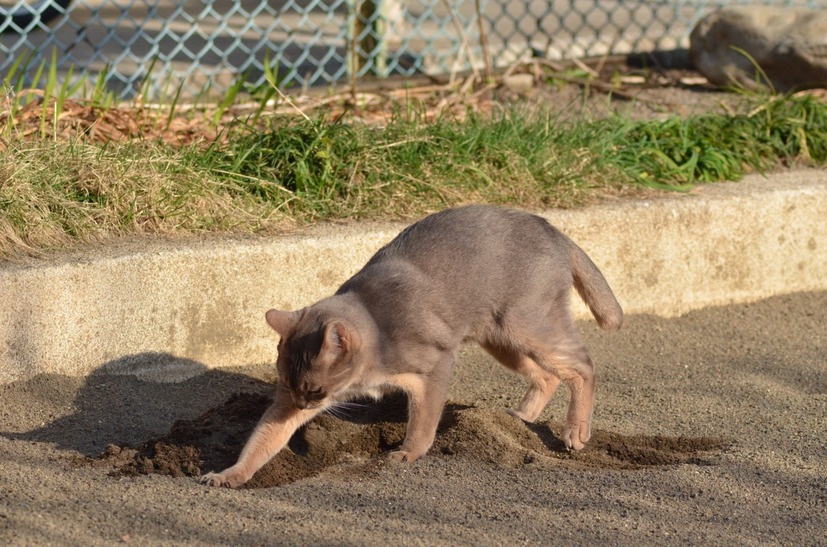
point(426, 400)
point(272, 433)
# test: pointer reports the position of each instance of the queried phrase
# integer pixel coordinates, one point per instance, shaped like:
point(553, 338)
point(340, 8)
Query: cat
point(493, 275)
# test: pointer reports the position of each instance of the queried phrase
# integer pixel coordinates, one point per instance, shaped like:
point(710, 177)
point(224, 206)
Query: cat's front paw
point(226, 479)
point(575, 436)
point(404, 456)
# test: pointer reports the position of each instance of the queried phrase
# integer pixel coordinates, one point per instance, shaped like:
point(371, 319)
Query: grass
point(296, 169)
point(325, 169)
point(678, 153)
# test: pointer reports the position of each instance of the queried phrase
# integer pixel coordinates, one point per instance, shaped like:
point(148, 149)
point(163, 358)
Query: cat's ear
point(283, 322)
point(341, 340)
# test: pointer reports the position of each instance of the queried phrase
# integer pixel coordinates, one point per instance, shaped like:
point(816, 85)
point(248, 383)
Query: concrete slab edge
point(169, 312)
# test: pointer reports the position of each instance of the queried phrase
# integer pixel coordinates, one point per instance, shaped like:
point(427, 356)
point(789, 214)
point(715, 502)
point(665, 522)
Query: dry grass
point(64, 193)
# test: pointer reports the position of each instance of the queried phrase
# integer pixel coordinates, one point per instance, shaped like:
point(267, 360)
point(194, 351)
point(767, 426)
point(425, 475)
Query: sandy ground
point(709, 429)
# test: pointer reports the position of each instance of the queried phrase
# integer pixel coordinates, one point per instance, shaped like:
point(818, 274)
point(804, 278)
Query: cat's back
point(457, 267)
point(470, 235)
point(475, 252)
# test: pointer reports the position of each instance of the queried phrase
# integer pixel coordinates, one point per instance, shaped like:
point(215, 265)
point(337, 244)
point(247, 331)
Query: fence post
point(368, 37)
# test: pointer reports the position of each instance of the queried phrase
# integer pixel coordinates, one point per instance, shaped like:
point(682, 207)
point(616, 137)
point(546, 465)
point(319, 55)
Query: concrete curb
point(169, 312)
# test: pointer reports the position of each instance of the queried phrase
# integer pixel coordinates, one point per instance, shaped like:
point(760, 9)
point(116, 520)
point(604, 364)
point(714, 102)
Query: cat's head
point(316, 355)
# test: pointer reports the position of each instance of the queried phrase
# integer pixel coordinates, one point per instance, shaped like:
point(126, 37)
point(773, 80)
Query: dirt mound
point(360, 432)
point(214, 440)
point(499, 438)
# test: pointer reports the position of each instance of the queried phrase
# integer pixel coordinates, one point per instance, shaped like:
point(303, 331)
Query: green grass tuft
point(677, 153)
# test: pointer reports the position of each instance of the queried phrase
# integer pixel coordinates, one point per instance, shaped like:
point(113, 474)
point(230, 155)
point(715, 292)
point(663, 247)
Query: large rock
point(789, 44)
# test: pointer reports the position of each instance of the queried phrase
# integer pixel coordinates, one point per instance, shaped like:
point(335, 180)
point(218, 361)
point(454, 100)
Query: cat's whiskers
point(342, 409)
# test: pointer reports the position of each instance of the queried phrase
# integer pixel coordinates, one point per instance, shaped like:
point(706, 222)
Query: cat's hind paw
point(575, 436)
point(518, 414)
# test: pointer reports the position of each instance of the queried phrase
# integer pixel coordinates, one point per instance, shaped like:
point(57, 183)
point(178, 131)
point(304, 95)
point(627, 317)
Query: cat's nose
point(300, 402)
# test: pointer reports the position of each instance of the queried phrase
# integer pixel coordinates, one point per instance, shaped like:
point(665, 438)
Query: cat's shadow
point(124, 402)
point(138, 397)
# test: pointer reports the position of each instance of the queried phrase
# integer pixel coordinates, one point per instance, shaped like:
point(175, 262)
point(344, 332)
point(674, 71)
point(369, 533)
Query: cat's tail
point(594, 290)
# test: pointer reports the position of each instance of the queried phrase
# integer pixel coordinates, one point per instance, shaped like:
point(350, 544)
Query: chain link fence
point(206, 46)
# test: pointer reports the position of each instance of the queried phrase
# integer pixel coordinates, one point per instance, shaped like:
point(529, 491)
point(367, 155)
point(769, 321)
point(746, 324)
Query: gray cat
point(497, 276)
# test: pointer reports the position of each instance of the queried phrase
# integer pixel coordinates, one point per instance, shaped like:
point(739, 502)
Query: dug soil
point(367, 430)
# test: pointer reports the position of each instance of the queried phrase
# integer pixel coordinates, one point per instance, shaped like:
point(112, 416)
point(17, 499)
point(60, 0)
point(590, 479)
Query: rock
point(519, 83)
point(789, 44)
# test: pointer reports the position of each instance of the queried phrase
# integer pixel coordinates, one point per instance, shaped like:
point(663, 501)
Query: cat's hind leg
point(541, 383)
point(554, 345)
point(570, 362)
